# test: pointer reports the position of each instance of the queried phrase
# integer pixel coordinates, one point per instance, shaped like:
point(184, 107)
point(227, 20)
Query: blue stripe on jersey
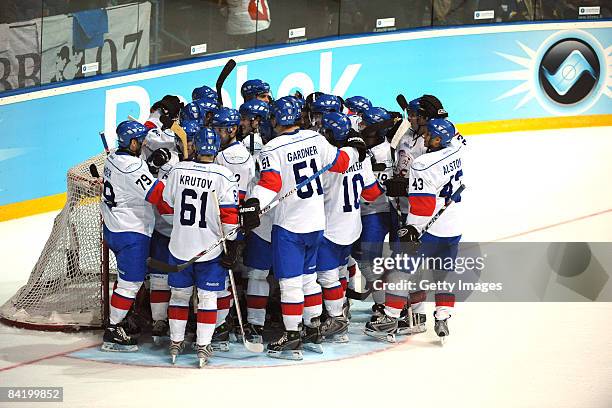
point(151, 190)
point(366, 187)
point(276, 171)
point(421, 195)
point(228, 205)
point(446, 157)
point(287, 144)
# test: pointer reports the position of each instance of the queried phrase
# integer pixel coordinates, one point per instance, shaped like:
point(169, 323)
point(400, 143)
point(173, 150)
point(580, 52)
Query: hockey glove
point(249, 214)
point(230, 255)
point(355, 141)
point(396, 186)
point(408, 234)
point(157, 159)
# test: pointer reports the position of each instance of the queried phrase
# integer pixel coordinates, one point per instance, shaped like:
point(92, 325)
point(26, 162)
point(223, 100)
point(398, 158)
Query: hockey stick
point(452, 199)
point(104, 143)
point(404, 126)
point(164, 267)
point(253, 347)
point(227, 69)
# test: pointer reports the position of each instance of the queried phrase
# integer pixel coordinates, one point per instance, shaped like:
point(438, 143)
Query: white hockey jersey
point(163, 223)
point(382, 155)
point(196, 215)
point(129, 188)
point(237, 158)
point(344, 193)
point(254, 141)
point(247, 16)
point(157, 139)
point(355, 121)
point(434, 177)
point(409, 148)
point(290, 159)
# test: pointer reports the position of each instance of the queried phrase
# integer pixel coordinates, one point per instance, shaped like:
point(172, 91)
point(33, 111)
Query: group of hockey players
point(331, 187)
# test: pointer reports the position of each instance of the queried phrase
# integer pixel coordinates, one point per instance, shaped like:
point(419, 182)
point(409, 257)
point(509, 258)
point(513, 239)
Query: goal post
point(68, 288)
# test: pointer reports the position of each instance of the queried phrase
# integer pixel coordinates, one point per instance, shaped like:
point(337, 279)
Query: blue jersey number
point(307, 190)
point(348, 206)
point(109, 195)
point(447, 190)
point(188, 210)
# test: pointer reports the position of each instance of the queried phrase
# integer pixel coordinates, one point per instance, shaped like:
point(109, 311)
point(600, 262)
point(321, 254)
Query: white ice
point(523, 186)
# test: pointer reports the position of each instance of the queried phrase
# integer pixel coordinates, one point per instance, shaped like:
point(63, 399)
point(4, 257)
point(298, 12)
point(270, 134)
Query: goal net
point(68, 287)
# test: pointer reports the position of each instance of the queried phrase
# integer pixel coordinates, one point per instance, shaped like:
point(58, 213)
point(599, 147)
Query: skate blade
point(337, 338)
point(159, 340)
point(255, 339)
point(315, 348)
point(388, 337)
point(202, 362)
point(117, 348)
point(286, 354)
point(173, 359)
point(220, 346)
point(442, 340)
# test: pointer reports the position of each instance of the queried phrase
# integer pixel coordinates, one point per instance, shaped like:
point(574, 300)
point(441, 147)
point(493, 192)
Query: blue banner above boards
point(481, 73)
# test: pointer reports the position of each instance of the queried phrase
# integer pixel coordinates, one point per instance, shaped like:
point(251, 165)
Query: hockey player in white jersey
point(252, 114)
point(356, 106)
point(196, 226)
point(160, 162)
point(299, 219)
point(128, 192)
point(434, 177)
point(343, 196)
point(235, 157)
point(375, 217)
point(256, 89)
point(411, 146)
point(164, 112)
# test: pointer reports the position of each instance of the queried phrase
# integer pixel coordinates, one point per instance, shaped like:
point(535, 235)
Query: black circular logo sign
point(569, 70)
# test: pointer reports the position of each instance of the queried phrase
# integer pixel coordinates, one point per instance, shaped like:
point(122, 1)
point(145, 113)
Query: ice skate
point(335, 329)
point(203, 352)
point(405, 327)
point(220, 338)
point(346, 309)
point(160, 331)
point(382, 327)
point(441, 329)
point(254, 333)
point(311, 337)
point(378, 309)
point(288, 347)
point(115, 339)
point(176, 348)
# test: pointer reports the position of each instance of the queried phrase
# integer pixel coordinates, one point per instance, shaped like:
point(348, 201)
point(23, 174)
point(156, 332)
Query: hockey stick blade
point(93, 170)
point(399, 133)
point(401, 101)
point(353, 294)
point(227, 69)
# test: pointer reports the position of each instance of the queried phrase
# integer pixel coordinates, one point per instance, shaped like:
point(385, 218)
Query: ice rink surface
point(524, 186)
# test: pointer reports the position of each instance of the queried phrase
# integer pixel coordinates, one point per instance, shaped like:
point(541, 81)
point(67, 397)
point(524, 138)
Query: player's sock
point(258, 290)
point(159, 296)
point(352, 271)
point(313, 301)
point(292, 302)
point(394, 305)
point(445, 302)
point(122, 299)
point(417, 300)
point(207, 316)
point(333, 294)
point(224, 302)
point(178, 312)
